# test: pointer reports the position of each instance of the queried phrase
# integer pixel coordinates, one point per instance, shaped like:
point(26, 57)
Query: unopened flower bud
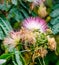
point(42, 11)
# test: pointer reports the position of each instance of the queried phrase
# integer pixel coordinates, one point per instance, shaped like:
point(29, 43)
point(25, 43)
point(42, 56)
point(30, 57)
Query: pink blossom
point(33, 23)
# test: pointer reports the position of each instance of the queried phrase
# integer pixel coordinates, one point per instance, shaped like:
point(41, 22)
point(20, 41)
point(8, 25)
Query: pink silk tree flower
point(15, 35)
point(12, 40)
point(35, 23)
point(38, 2)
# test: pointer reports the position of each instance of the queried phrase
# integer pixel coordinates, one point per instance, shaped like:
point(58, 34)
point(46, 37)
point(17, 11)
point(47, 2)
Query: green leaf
point(14, 63)
point(14, 2)
point(16, 14)
point(51, 58)
point(26, 15)
point(49, 3)
point(5, 6)
point(55, 28)
point(55, 7)
point(30, 0)
point(54, 21)
point(55, 2)
point(5, 27)
point(57, 62)
point(20, 12)
point(6, 56)
point(2, 35)
point(18, 58)
point(55, 13)
point(23, 60)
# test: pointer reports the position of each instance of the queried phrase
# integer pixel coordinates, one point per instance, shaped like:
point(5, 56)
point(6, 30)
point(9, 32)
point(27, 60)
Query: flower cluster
point(27, 36)
point(33, 37)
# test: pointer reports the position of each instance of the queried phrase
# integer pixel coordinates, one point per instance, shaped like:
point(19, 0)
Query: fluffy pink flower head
point(12, 40)
point(38, 2)
point(35, 23)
